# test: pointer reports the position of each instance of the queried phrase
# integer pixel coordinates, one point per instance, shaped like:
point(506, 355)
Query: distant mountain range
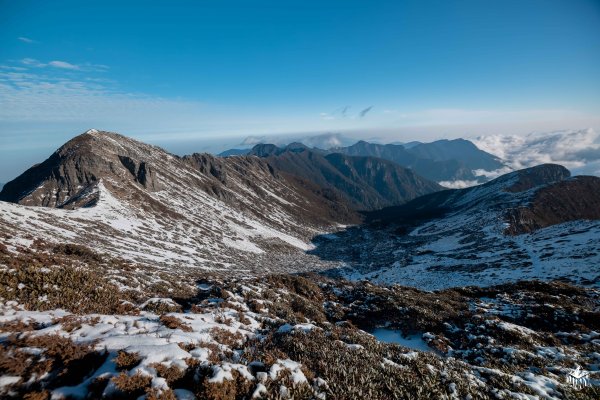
point(449, 162)
point(234, 152)
point(294, 208)
point(441, 161)
point(322, 141)
point(367, 183)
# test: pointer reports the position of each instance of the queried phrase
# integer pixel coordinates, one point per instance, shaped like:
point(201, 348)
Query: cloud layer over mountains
point(323, 141)
point(578, 150)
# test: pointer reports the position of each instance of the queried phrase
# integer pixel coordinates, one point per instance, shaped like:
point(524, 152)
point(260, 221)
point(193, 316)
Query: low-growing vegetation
point(285, 336)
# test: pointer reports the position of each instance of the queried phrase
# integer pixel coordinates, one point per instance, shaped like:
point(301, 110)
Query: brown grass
point(62, 362)
point(227, 338)
point(126, 361)
point(172, 322)
point(156, 394)
point(172, 373)
point(132, 385)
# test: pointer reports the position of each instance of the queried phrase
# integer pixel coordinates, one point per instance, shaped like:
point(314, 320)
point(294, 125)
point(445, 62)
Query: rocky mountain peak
point(80, 163)
point(264, 150)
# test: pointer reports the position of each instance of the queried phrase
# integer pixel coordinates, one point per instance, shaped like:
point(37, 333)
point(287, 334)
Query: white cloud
point(492, 174)
point(458, 184)
point(87, 67)
point(44, 102)
point(63, 65)
point(33, 97)
point(253, 140)
point(26, 40)
point(326, 141)
point(321, 141)
point(578, 150)
point(327, 116)
point(32, 62)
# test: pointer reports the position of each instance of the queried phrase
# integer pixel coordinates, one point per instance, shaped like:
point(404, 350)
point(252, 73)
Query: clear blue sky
point(176, 72)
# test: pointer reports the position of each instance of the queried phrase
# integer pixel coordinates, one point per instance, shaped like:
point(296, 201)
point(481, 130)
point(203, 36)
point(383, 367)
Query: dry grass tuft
point(227, 338)
point(126, 361)
point(157, 394)
point(132, 385)
point(172, 322)
point(171, 374)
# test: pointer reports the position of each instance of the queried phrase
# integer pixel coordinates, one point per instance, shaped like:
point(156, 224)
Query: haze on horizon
point(194, 76)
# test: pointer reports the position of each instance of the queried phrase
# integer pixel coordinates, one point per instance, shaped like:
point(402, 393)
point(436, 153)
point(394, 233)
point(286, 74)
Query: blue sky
point(185, 74)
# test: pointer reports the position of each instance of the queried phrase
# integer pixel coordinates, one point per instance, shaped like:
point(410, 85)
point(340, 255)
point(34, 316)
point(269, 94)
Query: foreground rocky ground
point(76, 324)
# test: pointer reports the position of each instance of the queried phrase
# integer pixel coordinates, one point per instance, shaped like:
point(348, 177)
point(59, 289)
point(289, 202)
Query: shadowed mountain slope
point(368, 183)
point(442, 160)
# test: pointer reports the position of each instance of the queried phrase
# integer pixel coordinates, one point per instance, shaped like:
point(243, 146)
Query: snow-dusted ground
point(184, 224)
point(147, 337)
point(393, 336)
point(468, 247)
point(174, 228)
point(492, 350)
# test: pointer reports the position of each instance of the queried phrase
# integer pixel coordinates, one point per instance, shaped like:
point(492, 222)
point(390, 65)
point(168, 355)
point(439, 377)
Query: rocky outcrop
point(207, 164)
point(141, 172)
point(574, 199)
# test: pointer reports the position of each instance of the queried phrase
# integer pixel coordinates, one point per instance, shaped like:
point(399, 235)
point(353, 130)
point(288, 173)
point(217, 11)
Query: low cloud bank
point(578, 150)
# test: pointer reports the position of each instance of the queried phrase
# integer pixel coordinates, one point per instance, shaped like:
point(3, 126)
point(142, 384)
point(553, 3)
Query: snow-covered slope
point(141, 203)
point(463, 237)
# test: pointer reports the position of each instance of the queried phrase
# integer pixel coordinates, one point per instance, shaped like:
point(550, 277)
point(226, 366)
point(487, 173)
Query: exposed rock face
point(141, 172)
point(77, 166)
point(368, 183)
point(207, 164)
point(570, 200)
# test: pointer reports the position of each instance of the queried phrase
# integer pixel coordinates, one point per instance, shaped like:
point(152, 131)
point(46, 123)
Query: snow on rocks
point(292, 366)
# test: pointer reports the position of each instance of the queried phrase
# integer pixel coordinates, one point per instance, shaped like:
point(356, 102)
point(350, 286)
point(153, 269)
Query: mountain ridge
point(442, 160)
point(247, 216)
point(367, 182)
point(445, 161)
point(145, 204)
